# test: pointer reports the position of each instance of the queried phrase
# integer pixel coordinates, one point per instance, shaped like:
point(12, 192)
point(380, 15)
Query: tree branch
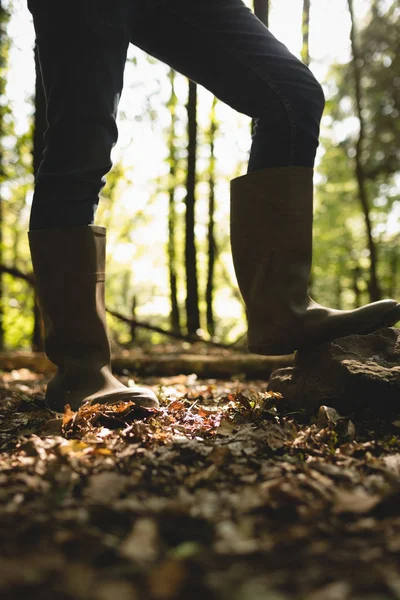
point(28, 277)
point(178, 336)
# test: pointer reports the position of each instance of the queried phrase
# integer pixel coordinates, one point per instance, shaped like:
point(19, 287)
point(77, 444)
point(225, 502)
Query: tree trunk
point(305, 50)
point(356, 273)
point(171, 249)
point(212, 247)
point(305, 57)
point(393, 268)
point(374, 289)
point(40, 125)
point(133, 325)
point(2, 331)
point(3, 67)
point(192, 294)
point(261, 10)
point(338, 292)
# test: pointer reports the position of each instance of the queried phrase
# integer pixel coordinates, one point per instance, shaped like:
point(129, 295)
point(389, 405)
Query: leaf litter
point(218, 494)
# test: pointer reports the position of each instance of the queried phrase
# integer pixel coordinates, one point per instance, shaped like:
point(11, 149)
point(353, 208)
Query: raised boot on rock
point(271, 239)
point(69, 269)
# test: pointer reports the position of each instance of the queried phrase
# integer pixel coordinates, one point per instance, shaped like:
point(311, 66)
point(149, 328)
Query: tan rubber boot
point(69, 269)
point(271, 238)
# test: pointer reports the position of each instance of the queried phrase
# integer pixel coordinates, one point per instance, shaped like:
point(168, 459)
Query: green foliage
point(380, 48)
point(341, 260)
point(137, 222)
point(15, 190)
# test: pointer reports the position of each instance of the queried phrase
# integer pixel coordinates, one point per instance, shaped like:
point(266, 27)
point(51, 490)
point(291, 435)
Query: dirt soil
point(220, 494)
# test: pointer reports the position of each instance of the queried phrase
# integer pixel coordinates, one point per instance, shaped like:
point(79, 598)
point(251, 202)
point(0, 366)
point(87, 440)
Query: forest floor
point(219, 494)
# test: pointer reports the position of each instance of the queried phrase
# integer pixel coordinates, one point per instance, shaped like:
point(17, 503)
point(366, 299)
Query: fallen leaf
point(326, 416)
point(176, 405)
point(219, 455)
point(337, 590)
point(226, 427)
point(354, 501)
point(68, 415)
point(105, 487)
point(166, 580)
point(75, 447)
point(201, 476)
point(142, 544)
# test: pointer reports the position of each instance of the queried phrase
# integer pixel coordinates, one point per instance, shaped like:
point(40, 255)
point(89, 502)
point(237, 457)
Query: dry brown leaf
point(142, 544)
point(176, 405)
point(200, 476)
point(68, 415)
point(75, 447)
point(166, 580)
point(115, 589)
point(105, 487)
point(354, 501)
point(337, 590)
point(219, 455)
point(226, 427)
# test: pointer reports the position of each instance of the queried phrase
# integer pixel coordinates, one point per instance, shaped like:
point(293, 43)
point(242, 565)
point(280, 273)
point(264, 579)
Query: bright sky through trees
point(141, 145)
point(329, 42)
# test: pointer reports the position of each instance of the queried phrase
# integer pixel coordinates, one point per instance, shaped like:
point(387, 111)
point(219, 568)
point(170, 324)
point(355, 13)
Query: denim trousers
point(219, 44)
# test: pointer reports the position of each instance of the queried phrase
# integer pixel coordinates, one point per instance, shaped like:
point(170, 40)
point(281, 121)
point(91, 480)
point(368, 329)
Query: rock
point(350, 374)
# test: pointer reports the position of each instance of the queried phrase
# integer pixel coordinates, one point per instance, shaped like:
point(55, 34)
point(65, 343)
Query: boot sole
point(53, 400)
point(389, 319)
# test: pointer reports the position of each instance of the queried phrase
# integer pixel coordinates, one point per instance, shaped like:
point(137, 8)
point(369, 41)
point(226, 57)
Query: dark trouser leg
point(217, 43)
point(82, 53)
point(222, 45)
point(82, 57)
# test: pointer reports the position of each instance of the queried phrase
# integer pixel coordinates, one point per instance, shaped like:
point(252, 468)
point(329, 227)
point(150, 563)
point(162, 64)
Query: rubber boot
point(69, 269)
point(271, 238)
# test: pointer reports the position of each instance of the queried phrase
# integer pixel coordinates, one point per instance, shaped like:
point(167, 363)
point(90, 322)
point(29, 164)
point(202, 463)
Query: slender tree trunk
point(338, 292)
point(212, 247)
point(393, 264)
point(40, 125)
point(356, 273)
point(305, 57)
point(2, 330)
point(374, 288)
point(261, 10)
point(133, 326)
point(173, 276)
point(171, 249)
point(125, 299)
point(192, 294)
point(3, 66)
point(305, 50)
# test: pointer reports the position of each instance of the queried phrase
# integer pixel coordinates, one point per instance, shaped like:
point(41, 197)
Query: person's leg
point(82, 59)
point(221, 45)
point(82, 52)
